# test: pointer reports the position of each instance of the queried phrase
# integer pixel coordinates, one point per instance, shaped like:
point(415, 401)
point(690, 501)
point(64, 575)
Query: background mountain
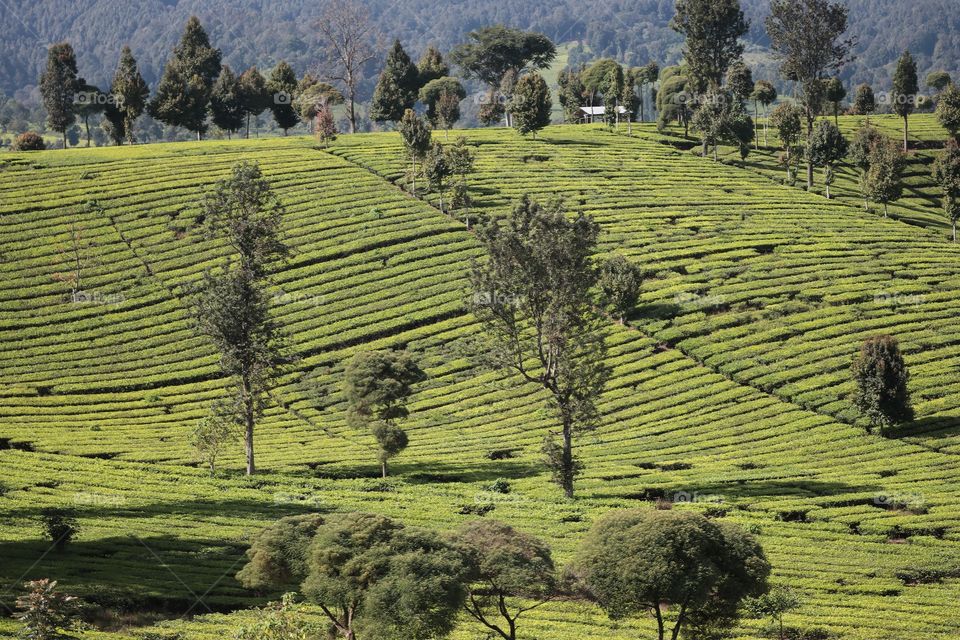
point(262, 32)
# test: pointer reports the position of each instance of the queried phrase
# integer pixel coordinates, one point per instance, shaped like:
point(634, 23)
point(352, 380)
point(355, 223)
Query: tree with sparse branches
point(45, 612)
point(509, 574)
point(232, 306)
point(712, 29)
point(828, 147)
point(416, 137)
point(349, 37)
point(946, 172)
point(532, 297)
point(807, 38)
point(763, 93)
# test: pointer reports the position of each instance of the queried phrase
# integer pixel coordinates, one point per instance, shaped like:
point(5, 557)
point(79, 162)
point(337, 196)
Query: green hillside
point(729, 394)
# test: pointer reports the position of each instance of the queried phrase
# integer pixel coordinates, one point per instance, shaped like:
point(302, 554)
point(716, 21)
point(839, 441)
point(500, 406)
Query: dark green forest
point(262, 32)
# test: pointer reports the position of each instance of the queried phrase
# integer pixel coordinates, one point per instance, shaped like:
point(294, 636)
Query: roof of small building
point(599, 111)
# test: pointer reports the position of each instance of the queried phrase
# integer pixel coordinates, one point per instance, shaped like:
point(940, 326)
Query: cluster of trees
point(372, 576)
point(622, 91)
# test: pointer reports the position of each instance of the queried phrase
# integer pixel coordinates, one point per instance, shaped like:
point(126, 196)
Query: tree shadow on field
point(927, 430)
point(434, 472)
point(736, 489)
point(164, 574)
point(656, 311)
point(274, 501)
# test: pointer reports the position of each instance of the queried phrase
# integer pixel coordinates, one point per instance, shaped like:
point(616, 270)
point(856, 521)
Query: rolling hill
point(729, 394)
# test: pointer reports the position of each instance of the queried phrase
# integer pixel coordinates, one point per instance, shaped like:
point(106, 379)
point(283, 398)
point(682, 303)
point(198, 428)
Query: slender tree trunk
point(249, 419)
point(659, 622)
point(64, 138)
point(353, 112)
point(954, 230)
point(756, 125)
point(383, 467)
point(86, 124)
point(906, 129)
point(567, 462)
point(765, 118)
point(248, 126)
point(810, 118)
point(884, 209)
point(198, 135)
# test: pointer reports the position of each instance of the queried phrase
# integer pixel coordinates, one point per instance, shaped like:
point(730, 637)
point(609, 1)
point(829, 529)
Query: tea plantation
point(729, 394)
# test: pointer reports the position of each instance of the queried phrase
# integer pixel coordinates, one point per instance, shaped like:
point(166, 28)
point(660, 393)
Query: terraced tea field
point(729, 387)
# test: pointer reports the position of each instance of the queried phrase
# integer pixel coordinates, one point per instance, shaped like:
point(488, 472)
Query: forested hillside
point(264, 31)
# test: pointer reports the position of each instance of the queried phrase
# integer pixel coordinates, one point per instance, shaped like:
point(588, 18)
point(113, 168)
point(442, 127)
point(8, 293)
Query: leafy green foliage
point(130, 91)
point(637, 561)
point(232, 307)
point(493, 51)
point(277, 557)
point(377, 385)
point(881, 378)
point(282, 87)
point(45, 612)
point(946, 171)
point(530, 104)
point(712, 30)
point(226, 102)
point(533, 300)
point(948, 110)
point(620, 282)
point(505, 565)
point(60, 526)
point(372, 576)
point(58, 87)
point(883, 180)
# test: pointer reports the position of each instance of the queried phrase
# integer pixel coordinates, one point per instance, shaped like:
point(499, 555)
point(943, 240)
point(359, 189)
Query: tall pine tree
point(254, 95)
point(282, 86)
point(129, 91)
point(59, 86)
point(187, 82)
point(905, 88)
point(226, 106)
point(397, 87)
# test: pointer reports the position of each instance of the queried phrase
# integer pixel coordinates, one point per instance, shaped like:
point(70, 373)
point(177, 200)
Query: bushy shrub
point(29, 141)
point(60, 525)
